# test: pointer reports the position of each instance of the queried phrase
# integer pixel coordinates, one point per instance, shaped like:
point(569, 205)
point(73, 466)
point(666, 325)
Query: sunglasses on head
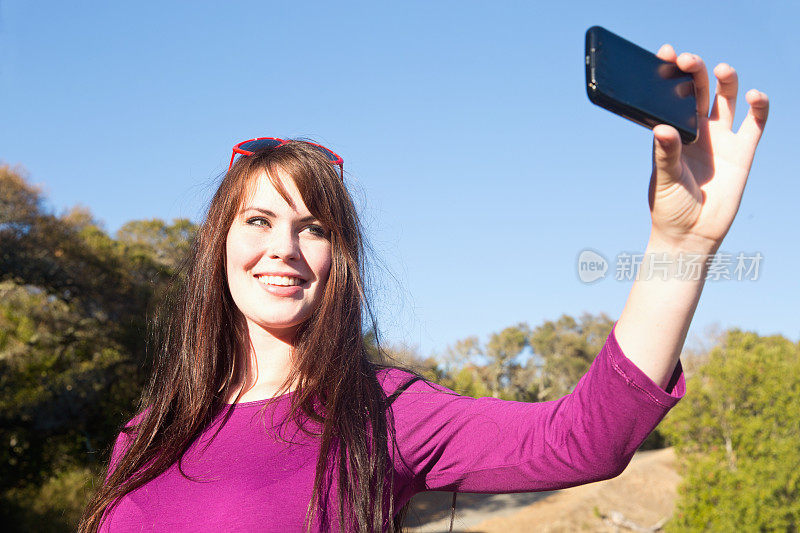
point(251, 146)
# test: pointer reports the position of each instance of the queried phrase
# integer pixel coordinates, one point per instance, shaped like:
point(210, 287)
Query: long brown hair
point(198, 344)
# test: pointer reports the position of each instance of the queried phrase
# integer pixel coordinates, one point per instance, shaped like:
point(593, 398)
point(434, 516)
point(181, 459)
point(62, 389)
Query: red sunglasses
point(251, 146)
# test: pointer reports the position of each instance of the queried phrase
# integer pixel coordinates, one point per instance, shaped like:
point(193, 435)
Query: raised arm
point(694, 195)
point(451, 442)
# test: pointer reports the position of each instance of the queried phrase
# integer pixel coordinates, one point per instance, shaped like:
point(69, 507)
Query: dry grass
point(645, 494)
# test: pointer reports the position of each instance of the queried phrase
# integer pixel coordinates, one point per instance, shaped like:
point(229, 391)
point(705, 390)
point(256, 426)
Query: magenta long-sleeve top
point(249, 478)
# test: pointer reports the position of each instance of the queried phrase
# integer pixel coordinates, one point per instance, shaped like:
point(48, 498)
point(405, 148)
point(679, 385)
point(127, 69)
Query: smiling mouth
point(280, 281)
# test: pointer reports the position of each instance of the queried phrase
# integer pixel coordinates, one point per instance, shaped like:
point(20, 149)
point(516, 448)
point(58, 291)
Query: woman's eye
point(257, 221)
point(315, 229)
point(318, 231)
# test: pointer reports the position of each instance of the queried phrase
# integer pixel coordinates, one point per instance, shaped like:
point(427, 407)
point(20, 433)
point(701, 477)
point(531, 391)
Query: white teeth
point(283, 281)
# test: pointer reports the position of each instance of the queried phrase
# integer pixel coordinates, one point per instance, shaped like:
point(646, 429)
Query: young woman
point(265, 413)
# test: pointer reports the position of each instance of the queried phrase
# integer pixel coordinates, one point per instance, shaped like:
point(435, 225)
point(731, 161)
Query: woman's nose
point(283, 245)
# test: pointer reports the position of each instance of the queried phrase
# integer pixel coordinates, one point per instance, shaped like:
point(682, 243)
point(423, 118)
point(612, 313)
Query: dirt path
point(645, 493)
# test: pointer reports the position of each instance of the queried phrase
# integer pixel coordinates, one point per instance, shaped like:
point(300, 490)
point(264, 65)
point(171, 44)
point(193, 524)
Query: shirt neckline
point(261, 401)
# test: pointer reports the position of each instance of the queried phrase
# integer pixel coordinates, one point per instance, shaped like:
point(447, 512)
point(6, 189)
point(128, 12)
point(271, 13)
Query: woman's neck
point(266, 364)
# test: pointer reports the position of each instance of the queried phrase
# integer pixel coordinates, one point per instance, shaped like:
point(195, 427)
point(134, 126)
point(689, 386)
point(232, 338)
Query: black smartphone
point(628, 80)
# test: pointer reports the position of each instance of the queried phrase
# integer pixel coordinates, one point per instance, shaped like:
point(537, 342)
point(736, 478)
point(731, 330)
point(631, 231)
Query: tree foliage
point(73, 308)
point(162, 243)
point(528, 364)
point(738, 435)
point(567, 348)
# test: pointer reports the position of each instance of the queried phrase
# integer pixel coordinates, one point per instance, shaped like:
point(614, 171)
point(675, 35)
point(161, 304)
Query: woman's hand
point(695, 190)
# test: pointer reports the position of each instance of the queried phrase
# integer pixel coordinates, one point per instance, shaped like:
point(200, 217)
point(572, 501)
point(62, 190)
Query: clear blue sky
point(480, 166)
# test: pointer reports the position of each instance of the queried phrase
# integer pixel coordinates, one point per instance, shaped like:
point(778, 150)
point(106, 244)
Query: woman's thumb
point(666, 154)
point(666, 160)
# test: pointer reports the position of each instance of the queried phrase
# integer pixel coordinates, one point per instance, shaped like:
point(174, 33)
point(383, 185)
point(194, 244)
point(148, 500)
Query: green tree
point(737, 434)
point(468, 381)
point(502, 352)
point(464, 352)
point(165, 244)
point(403, 355)
point(493, 369)
point(73, 307)
point(564, 349)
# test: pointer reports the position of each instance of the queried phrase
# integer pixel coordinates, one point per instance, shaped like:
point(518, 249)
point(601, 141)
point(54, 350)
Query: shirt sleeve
point(121, 444)
point(456, 443)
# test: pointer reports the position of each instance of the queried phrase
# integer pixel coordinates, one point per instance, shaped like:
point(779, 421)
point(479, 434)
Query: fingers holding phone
point(634, 83)
point(723, 109)
point(693, 64)
point(753, 125)
point(724, 106)
point(667, 88)
point(695, 187)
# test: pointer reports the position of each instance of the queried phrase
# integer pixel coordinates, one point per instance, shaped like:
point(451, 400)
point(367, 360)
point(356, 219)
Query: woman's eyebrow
point(309, 218)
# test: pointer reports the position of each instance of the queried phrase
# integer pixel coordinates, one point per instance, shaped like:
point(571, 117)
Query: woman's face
point(278, 257)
